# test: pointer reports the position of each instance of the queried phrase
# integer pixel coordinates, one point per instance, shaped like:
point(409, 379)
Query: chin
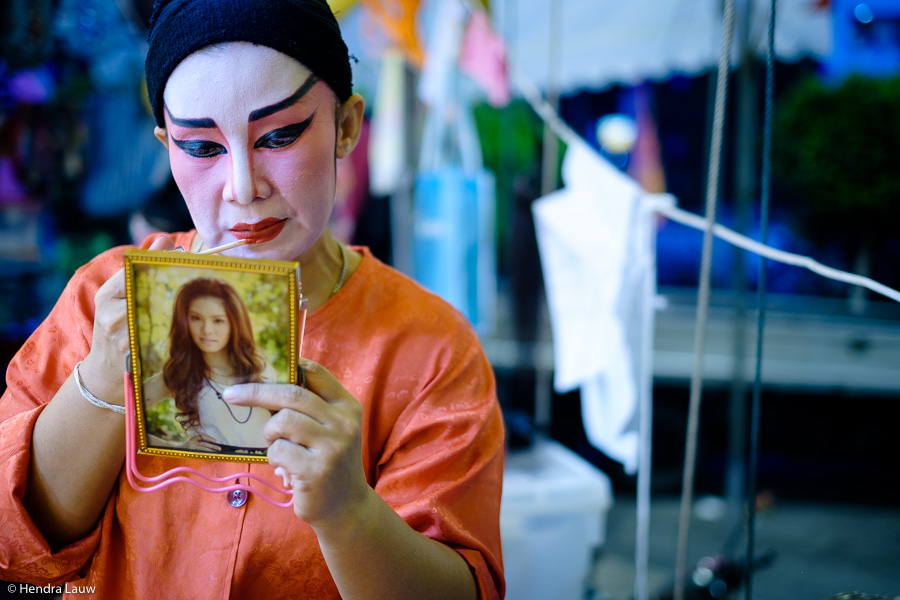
point(284, 247)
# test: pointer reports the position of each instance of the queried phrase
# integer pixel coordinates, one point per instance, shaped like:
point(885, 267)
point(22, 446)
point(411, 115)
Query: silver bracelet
point(94, 399)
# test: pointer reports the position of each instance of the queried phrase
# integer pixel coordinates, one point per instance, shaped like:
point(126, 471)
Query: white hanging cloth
point(596, 244)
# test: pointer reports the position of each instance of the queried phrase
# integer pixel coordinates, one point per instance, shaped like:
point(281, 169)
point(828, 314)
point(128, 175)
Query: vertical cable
point(647, 235)
point(543, 393)
point(712, 190)
point(761, 303)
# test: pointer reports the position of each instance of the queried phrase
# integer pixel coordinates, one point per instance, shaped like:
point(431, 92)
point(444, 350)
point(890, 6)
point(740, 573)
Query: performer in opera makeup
point(394, 447)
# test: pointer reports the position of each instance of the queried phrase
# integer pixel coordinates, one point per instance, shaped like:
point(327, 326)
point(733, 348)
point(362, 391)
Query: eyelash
point(277, 138)
point(200, 149)
point(196, 319)
point(288, 135)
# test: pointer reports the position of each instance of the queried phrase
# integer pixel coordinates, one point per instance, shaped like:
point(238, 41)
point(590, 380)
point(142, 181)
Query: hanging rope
point(789, 258)
point(753, 450)
point(712, 190)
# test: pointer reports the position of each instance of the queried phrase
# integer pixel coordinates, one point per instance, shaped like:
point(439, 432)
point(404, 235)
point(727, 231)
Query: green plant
point(834, 152)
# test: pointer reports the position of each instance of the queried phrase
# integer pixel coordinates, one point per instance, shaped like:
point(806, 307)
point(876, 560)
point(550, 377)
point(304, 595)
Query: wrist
point(345, 527)
point(94, 383)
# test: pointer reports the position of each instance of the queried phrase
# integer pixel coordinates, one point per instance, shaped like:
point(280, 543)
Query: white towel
point(596, 253)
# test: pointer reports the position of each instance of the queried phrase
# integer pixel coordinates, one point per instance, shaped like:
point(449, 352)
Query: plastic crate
point(552, 519)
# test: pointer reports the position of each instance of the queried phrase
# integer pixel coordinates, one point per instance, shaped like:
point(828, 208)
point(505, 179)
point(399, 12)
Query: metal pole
point(550, 161)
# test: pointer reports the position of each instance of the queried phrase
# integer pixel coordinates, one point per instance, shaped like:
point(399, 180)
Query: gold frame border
point(289, 269)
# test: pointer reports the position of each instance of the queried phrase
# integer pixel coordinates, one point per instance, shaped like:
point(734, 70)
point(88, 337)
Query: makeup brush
point(223, 247)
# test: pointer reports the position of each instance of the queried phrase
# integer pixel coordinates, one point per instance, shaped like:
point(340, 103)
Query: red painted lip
point(257, 233)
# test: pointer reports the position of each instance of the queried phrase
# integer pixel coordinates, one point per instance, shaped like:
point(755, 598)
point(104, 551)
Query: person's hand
point(315, 443)
point(102, 369)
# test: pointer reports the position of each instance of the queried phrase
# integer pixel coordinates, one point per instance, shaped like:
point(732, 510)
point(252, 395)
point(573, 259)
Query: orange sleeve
point(34, 375)
point(442, 467)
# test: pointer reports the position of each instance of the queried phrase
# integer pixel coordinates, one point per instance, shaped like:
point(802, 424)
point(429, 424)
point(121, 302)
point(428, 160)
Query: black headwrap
point(303, 29)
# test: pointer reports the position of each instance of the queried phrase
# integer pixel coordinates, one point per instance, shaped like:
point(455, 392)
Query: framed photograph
point(199, 324)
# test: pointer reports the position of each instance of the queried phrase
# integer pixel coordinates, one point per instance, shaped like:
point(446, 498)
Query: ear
point(350, 122)
point(161, 135)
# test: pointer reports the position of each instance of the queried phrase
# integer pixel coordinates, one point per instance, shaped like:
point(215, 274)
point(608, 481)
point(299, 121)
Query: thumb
point(319, 380)
point(163, 242)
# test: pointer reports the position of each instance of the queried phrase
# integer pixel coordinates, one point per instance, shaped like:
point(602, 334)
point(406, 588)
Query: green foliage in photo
point(160, 419)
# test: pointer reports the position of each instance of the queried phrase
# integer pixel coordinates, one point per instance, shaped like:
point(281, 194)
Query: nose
point(246, 183)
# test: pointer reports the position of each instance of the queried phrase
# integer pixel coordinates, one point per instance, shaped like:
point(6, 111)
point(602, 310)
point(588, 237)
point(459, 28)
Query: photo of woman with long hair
point(211, 347)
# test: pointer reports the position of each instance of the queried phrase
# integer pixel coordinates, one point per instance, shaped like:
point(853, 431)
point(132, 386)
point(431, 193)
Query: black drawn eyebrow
point(291, 100)
point(204, 123)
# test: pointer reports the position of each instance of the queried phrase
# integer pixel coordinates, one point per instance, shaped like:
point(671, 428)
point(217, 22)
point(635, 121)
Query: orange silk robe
point(433, 450)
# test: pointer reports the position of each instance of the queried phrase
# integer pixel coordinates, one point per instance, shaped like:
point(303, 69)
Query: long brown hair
point(186, 370)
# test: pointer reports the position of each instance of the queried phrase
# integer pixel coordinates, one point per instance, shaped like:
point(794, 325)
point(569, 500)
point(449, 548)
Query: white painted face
point(252, 145)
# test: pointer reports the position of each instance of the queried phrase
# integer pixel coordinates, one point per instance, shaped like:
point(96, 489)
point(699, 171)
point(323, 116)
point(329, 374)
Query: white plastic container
point(552, 518)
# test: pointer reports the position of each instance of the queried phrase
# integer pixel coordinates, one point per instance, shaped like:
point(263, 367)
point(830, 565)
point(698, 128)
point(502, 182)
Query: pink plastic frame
point(175, 475)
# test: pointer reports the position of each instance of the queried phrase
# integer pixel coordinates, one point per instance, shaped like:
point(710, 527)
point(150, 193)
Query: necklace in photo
point(228, 406)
